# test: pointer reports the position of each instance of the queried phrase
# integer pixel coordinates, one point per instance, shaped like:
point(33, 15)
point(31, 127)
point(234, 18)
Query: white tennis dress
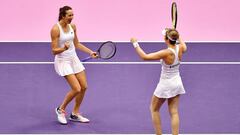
point(67, 62)
point(170, 83)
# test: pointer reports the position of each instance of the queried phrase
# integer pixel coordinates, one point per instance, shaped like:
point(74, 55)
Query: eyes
point(70, 15)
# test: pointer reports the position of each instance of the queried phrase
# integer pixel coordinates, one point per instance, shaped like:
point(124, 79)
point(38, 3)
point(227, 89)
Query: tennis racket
point(174, 15)
point(106, 51)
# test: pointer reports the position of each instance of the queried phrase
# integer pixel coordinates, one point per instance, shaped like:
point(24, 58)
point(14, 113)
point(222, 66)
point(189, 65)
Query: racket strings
point(107, 51)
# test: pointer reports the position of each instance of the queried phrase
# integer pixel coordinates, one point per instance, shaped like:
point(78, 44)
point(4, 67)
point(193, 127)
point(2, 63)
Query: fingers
point(133, 40)
point(66, 45)
point(94, 55)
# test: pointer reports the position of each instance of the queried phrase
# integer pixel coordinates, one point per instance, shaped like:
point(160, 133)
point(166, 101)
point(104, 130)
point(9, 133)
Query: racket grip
point(86, 59)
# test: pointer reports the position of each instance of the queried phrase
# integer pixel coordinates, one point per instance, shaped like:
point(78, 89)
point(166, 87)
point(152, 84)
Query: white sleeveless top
point(66, 37)
point(169, 71)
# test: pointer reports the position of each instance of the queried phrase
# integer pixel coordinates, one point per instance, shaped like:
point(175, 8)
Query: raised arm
point(182, 44)
point(151, 56)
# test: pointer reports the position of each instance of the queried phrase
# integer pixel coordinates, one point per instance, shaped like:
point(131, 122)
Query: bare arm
point(151, 56)
point(54, 42)
point(81, 46)
point(182, 45)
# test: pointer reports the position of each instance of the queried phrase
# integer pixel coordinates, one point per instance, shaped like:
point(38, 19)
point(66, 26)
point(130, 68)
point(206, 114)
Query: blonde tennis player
point(170, 86)
point(67, 64)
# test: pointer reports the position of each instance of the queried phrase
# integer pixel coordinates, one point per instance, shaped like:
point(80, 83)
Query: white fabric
point(67, 66)
point(170, 83)
point(67, 62)
point(66, 37)
point(135, 44)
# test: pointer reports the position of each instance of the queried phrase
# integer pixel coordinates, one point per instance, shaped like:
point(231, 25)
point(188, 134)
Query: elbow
point(185, 49)
point(54, 52)
point(145, 57)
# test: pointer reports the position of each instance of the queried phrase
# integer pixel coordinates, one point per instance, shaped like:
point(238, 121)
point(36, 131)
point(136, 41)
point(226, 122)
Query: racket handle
point(86, 59)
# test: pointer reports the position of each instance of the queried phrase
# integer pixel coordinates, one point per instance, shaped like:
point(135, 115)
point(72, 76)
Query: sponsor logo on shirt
point(172, 66)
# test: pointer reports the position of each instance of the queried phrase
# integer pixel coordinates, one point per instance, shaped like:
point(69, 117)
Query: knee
point(76, 89)
point(84, 87)
point(153, 108)
point(173, 112)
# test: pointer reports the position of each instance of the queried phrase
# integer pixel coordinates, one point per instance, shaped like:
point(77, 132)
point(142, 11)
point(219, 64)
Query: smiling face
point(65, 14)
point(68, 17)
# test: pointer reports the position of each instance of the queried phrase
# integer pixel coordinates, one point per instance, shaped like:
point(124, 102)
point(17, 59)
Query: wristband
point(135, 44)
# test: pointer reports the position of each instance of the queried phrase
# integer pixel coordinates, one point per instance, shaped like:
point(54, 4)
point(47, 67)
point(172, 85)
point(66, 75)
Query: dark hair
point(62, 12)
point(172, 35)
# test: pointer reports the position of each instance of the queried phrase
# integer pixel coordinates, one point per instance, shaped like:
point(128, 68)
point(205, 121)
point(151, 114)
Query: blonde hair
point(172, 35)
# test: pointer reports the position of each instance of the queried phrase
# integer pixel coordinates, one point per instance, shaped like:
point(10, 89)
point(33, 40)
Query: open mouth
point(69, 21)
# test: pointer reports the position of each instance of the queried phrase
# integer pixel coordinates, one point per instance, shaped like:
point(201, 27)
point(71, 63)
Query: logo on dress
point(172, 66)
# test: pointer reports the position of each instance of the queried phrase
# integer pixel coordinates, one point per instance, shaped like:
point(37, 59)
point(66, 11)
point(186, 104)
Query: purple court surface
point(118, 95)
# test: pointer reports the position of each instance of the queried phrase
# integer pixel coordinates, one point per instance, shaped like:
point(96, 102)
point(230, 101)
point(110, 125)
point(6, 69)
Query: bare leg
point(79, 98)
point(173, 110)
point(75, 89)
point(155, 106)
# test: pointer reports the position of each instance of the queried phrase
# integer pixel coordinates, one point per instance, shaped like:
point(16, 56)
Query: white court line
point(100, 41)
point(129, 134)
point(131, 63)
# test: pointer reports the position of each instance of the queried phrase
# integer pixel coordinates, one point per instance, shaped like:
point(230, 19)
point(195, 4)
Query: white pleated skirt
point(67, 66)
point(169, 87)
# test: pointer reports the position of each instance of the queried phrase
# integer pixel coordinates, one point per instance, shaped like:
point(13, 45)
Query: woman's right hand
point(94, 55)
point(66, 45)
point(134, 42)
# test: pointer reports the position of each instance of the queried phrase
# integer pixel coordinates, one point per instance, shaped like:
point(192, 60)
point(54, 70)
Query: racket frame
point(174, 15)
point(98, 51)
point(115, 49)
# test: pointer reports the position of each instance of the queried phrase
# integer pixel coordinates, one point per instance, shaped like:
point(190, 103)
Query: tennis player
point(64, 40)
point(170, 86)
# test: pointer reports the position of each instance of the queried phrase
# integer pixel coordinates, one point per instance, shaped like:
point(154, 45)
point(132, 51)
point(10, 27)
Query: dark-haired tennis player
point(170, 86)
point(67, 64)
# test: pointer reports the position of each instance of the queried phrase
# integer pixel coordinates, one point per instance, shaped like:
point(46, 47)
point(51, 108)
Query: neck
point(170, 45)
point(62, 23)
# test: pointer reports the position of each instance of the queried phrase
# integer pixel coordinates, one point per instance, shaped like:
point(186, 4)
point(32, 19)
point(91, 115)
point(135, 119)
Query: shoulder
point(165, 52)
point(55, 29)
point(73, 26)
